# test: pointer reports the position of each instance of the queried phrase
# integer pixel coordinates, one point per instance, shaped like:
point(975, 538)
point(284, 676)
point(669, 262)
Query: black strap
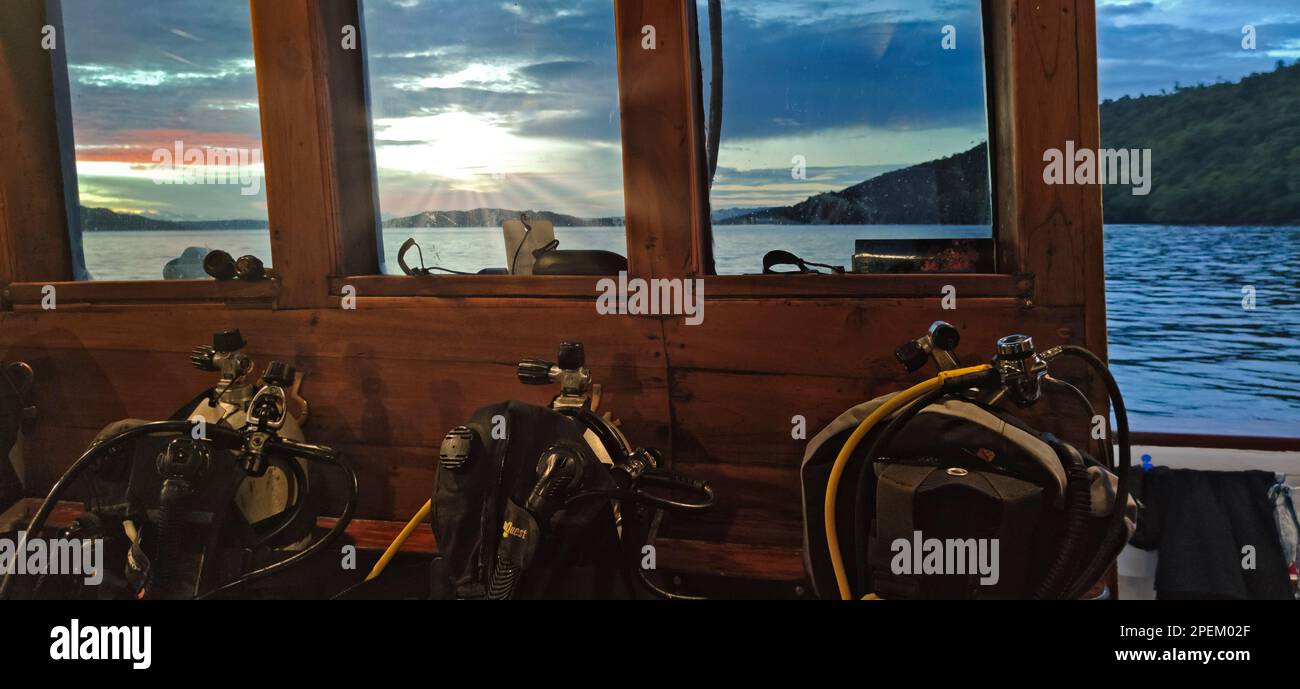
point(401, 258)
point(780, 257)
point(401, 261)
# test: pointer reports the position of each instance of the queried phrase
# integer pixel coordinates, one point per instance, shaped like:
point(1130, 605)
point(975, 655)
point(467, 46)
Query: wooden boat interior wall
point(417, 355)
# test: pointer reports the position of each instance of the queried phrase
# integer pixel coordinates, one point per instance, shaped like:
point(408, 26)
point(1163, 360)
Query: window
point(844, 120)
point(485, 112)
point(1201, 247)
point(168, 139)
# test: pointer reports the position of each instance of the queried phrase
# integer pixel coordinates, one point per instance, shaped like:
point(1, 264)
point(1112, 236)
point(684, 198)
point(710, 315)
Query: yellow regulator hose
point(882, 412)
point(396, 545)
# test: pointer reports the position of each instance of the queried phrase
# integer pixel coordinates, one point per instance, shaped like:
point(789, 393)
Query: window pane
point(846, 120)
point(484, 111)
point(1203, 248)
point(168, 140)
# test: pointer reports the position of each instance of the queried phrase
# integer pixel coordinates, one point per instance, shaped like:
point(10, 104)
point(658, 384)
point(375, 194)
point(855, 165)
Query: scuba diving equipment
point(16, 379)
point(218, 496)
point(938, 343)
point(544, 257)
point(949, 461)
point(222, 266)
point(781, 257)
point(549, 502)
point(578, 262)
point(422, 271)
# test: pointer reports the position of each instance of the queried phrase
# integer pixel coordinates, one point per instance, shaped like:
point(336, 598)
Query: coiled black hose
point(228, 438)
point(1078, 497)
point(323, 542)
point(1116, 531)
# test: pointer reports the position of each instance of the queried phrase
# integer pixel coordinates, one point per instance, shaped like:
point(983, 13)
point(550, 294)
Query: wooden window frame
point(321, 184)
point(984, 284)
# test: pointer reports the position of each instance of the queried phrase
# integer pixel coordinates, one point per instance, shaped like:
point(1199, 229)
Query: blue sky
point(514, 104)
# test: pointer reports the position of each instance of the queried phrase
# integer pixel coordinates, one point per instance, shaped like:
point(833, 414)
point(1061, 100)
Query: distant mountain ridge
point(1221, 154)
point(948, 191)
point(494, 217)
point(105, 220)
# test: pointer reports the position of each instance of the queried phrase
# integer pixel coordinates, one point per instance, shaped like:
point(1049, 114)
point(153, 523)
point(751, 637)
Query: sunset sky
point(514, 105)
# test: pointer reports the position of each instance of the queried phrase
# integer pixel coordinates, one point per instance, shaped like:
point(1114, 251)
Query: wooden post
point(316, 142)
point(663, 147)
point(39, 227)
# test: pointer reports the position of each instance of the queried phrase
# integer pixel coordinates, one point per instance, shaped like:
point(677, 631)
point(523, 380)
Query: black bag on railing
point(531, 502)
point(490, 545)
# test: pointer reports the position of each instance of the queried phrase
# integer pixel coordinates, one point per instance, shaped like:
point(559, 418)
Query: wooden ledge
point(30, 294)
point(916, 285)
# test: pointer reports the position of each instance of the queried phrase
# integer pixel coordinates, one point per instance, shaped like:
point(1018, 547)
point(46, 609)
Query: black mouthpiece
point(228, 341)
point(572, 356)
point(944, 336)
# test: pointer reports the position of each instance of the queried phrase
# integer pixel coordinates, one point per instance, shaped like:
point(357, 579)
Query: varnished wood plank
point(1052, 50)
point(918, 286)
point(498, 331)
point(144, 291)
point(755, 505)
point(320, 223)
point(717, 286)
point(530, 286)
point(836, 337)
point(662, 144)
point(38, 187)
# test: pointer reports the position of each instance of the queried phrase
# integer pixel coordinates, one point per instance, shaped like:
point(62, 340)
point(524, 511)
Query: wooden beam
point(662, 138)
point(1046, 91)
point(315, 135)
point(39, 226)
point(143, 292)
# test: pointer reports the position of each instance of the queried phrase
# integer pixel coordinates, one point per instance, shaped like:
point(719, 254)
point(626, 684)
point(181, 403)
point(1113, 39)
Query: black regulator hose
point(1116, 531)
point(1078, 496)
point(228, 438)
point(321, 543)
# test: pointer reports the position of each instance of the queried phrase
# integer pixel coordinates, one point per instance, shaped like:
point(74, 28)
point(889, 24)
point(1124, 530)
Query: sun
point(467, 148)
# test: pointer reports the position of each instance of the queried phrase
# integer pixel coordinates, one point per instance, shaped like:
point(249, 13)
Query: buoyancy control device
point(551, 502)
point(941, 491)
point(223, 493)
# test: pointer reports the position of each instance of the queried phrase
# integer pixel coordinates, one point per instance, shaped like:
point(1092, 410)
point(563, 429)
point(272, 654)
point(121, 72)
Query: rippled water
point(1181, 343)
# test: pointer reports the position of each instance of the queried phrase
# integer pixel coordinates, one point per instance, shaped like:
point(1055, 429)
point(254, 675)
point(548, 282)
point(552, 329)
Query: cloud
point(783, 71)
point(1147, 47)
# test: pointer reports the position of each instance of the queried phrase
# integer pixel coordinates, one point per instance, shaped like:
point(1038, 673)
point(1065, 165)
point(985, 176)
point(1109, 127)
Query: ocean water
point(1186, 352)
